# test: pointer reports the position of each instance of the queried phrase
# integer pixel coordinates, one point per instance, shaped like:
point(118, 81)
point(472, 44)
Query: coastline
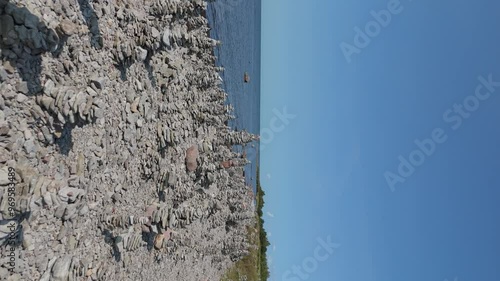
point(239, 53)
point(115, 129)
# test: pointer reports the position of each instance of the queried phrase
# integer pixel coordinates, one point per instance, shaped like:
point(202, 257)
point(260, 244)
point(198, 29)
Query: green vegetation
point(254, 265)
point(248, 266)
point(264, 243)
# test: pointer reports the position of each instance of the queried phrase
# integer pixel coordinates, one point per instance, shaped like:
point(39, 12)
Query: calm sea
point(237, 24)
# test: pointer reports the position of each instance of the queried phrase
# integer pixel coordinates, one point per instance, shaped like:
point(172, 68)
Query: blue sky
point(324, 173)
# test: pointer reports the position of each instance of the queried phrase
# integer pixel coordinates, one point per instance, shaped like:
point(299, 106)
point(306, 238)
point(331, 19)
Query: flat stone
point(139, 123)
point(128, 134)
point(19, 14)
point(29, 146)
point(138, 84)
point(21, 98)
point(130, 96)
point(36, 38)
point(80, 164)
point(31, 21)
point(8, 67)
point(4, 176)
point(155, 33)
point(4, 130)
point(49, 87)
point(52, 40)
point(98, 112)
point(132, 118)
point(67, 27)
point(84, 210)
point(24, 33)
point(4, 273)
point(60, 269)
point(158, 243)
point(8, 94)
point(166, 38)
point(91, 92)
point(49, 138)
point(134, 105)
point(167, 71)
point(27, 134)
point(41, 262)
point(3, 74)
point(191, 158)
point(72, 242)
point(28, 242)
point(99, 82)
point(141, 53)
point(22, 87)
point(6, 25)
point(59, 213)
point(4, 155)
point(14, 277)
point(69, 194)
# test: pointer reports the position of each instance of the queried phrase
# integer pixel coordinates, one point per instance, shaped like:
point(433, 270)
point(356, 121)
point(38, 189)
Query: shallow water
point(237, 24)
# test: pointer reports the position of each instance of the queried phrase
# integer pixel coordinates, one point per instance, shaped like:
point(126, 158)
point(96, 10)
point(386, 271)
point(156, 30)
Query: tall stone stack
point(112, 118)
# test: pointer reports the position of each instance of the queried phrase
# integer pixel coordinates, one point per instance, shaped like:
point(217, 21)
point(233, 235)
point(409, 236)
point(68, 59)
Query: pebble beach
point(116, 158)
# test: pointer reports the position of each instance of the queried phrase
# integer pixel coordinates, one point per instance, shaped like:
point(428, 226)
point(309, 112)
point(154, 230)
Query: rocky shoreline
point(112, 118)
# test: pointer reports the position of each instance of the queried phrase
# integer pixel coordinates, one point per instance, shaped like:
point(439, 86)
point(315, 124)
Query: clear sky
point(324, 172)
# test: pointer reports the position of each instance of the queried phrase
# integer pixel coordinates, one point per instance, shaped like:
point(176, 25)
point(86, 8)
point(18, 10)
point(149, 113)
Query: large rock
point(141, 53)
point(19, 15)
point(4, 176)
point(191, 158)
point(67, 27)
point(70, 194)
point(31, 21)
point(3, 74)
point(60, 270)
point(6, 25)
point(166, 38)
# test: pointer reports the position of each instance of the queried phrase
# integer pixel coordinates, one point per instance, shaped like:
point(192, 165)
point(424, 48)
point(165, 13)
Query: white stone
point(4, 176)
point(140, 123)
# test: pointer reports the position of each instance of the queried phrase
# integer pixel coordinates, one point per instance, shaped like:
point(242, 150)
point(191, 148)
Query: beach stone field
point(116, 160)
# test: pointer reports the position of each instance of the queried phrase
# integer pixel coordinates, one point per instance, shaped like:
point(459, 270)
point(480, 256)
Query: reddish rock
point(167, 234)
point(191, 158)
point(227, 164)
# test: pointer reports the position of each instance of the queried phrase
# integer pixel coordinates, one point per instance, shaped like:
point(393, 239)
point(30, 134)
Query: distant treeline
point(264, 243)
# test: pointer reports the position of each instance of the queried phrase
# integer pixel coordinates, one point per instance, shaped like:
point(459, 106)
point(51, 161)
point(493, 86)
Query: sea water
point(236, 23)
